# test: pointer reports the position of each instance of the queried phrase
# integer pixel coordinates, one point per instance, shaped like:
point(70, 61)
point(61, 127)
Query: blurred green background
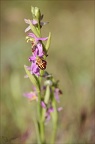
point(70, 60)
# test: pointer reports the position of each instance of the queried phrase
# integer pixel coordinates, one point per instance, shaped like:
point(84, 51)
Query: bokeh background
point(70, 60)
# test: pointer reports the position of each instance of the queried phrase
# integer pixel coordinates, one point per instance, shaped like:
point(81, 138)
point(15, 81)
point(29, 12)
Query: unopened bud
point(48, 82)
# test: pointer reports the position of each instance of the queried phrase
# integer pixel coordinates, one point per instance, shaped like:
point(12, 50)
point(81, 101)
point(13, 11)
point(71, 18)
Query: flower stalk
point(45, 93)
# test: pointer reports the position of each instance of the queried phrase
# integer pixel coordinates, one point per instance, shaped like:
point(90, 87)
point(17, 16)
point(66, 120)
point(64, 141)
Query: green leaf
point(54, 114)
point(33, 10)
point(33, 79)
point(34, 30)
point(48, 42)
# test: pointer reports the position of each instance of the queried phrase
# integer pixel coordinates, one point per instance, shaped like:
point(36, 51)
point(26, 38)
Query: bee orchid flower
point(38, 52)
point(36, 60)
point(33, 38)
point(34, 22)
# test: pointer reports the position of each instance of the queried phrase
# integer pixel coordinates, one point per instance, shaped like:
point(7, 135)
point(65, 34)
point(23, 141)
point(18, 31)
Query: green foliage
point(48, 42)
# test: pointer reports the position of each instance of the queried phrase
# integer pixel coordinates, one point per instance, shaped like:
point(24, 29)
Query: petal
point(47, 116)
point(26, 76)
point(32, 21)
point(32, 58)
point(26, 21)
point(36, 38)
point(33, 66)
point(28, 68)
point(43, 23)
point(34, 89)
point(29, 95)
point(50, 109)
point(39, 51)
point(42, 39)
point(41, 17)
point(56, 93)
point(35, 70)
point(27, 29)
point(60, 108)
point(43, 105)
point(34, 97)
point(32, 35)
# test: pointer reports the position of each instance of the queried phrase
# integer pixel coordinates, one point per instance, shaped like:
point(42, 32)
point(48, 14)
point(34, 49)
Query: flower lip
point(41, 63)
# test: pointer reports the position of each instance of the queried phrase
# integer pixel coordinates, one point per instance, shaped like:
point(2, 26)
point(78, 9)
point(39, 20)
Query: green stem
point(39, 106)
point(54, 120)
point(42, 130)
point(54, 133)
point(47, 95)
point(39, 30)
point(37, 132)
point(39, 109)
point(41, 123)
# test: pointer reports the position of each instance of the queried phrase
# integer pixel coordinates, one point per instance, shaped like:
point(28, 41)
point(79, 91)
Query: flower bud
point(48, 82)
point(33, 11)
point(37, 13)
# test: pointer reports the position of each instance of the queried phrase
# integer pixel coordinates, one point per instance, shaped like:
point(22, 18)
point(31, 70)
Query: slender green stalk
point(54, 133)
point(42, 128)
point(54, 120)
point(37, 132)
point(39, 109)
point(41, 123)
